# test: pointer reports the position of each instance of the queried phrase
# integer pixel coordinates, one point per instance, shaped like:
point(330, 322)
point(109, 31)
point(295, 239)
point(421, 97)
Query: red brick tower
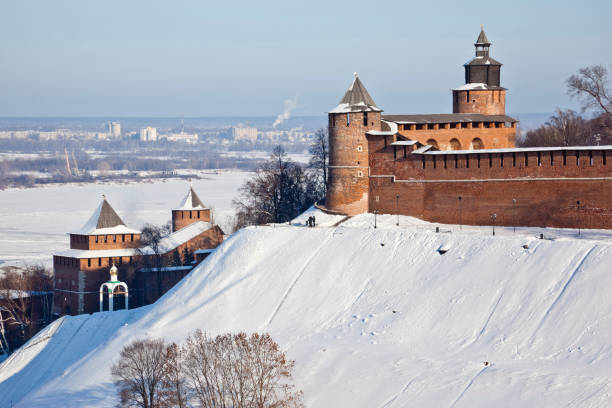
point(348, 182)
point(482, 92)
point(190, 210)
point(103, 241)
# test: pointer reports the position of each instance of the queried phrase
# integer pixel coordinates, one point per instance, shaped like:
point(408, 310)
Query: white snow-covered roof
point(404, 143)
point(168, 268)
point(422, 149)
point(518, 150)
point(358, 107)
point(97, 253)
point(105, 221)
point(179, 237)
point(392, 129)
point(191, 202)
point(472, 87)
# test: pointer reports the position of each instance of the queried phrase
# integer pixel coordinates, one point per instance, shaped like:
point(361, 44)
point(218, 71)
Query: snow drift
point(373, 318)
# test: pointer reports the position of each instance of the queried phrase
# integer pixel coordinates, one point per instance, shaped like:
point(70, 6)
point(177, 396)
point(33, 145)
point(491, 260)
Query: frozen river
point(34, 222)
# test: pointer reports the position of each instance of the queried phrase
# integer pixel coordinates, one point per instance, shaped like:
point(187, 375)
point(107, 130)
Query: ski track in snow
point(394, 397)
point(562, 292)
point(297, 278)
point(467, 387)
point(486, 323)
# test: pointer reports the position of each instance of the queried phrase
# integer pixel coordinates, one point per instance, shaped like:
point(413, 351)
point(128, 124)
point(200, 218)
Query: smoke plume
point(290, 105)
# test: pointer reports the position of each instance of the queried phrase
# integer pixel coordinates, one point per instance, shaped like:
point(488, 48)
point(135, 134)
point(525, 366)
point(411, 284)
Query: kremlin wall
point(462, 167)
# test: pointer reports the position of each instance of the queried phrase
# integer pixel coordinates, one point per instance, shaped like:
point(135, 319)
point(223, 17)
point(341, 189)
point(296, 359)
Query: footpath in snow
point(385, 317)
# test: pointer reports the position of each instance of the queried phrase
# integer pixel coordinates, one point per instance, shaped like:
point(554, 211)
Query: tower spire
point(482, 43)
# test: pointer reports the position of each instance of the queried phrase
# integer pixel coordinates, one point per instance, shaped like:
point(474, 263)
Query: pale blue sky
point(201, 58)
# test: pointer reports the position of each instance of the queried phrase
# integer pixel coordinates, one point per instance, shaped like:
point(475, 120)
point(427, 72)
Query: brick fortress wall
point(529, 189)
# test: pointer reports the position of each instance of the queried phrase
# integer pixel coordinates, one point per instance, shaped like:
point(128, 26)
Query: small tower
point(348, 182)
point(482, 92)
point(110, 287)
point(190, 210)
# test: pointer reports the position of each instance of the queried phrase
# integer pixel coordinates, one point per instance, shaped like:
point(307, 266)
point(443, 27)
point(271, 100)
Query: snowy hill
point(373, 318)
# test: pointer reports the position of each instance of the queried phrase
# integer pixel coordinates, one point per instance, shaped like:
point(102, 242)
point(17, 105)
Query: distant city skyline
point(195, 59)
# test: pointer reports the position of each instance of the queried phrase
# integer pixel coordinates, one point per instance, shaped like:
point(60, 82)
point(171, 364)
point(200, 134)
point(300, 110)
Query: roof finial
point(482, 26)
point(355, 74)
point(103, 197)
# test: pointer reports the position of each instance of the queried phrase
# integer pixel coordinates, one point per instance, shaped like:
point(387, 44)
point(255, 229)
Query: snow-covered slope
point(373, 318)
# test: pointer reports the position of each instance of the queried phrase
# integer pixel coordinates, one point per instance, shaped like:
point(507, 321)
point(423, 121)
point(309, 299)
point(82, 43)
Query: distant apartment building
point(244, 133)
point(182, 137)
point(148, 134)
point(114, 129)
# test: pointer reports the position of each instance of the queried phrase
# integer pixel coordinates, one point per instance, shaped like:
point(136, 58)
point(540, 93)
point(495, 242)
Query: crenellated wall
point(570, 188)
point(462, 136)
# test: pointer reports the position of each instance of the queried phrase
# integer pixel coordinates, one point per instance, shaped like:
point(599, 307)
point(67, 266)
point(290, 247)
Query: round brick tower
point(482, 92)
point(348, 181)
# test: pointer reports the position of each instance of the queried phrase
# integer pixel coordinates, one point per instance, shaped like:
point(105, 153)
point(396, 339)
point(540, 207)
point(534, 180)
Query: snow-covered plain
point(373, 317)
point(34, 222)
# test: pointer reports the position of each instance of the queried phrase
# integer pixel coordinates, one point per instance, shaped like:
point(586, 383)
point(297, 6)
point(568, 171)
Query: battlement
point(554, 187)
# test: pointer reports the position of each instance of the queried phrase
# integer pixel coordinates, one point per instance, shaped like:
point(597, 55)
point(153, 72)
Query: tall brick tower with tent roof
point(355, 115)
point(104, 240)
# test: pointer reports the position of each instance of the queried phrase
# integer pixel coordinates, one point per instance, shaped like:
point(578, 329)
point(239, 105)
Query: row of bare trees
point(590, 85)
point(230, 370)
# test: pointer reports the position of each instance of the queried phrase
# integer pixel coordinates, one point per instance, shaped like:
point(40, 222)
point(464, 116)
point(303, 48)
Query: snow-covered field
point(373, 317)
point(34, 222)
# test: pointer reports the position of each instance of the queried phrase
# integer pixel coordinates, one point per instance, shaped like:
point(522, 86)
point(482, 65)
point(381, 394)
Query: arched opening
point(120, 295)
point(433, 142)
point(477, 144)
point(455, 144)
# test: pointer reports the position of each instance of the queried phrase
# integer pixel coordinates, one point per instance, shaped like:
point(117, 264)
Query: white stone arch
point(109, 287)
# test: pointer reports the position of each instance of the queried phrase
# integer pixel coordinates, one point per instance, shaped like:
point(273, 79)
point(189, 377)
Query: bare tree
point(151, 236)
point(141, 373)
point(25, 302)
point(590, 85)
point(239, 371)
point(174, 384)
point(279, 191)
point(564, 128)
point(319, 156)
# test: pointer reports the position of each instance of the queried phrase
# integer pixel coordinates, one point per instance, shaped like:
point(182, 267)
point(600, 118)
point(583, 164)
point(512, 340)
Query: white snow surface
point(372, 317)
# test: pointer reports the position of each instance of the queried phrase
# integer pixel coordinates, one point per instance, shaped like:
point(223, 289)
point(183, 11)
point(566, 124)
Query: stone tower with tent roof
point(190, 210)
point(348, 185)
point(104, 240)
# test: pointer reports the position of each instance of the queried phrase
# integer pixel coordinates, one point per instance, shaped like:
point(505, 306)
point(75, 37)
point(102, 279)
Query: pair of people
point(311, 221)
